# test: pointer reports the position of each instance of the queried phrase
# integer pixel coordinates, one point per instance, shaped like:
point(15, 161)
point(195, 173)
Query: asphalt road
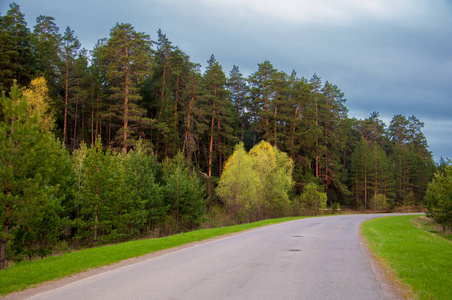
point(315, 258)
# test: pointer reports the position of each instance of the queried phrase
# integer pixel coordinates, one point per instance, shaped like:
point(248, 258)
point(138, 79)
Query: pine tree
point(301, 143)
point(193, 116)
point(361, 172)
point(47, 39)
point(183, 193)
point(40, 229)
point(129, 58)
point(316, 83)
point(383, 177)
point(69, 52)
point(146, 204)
point(164, 102)
point(101, 113)
point(281, 111)
point(25, 182)
point(413, 162)
point(238, 89)
point(219, 112)
point(99, 193)
point(16, 51)
point(332, 114)
point(262, 95)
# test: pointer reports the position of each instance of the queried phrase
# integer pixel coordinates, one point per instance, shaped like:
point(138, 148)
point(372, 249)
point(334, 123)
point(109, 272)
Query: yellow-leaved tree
point(255, 185)
point(37, 95)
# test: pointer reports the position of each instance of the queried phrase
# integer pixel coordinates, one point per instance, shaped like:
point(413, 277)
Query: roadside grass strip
point(421, 259)
point(27, 274)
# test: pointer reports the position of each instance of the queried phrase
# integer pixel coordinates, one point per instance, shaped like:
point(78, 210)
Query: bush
point(379, 202)
point(311, 201)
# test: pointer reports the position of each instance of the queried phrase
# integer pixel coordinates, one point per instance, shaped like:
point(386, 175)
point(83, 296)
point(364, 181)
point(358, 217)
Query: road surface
point(314, 258)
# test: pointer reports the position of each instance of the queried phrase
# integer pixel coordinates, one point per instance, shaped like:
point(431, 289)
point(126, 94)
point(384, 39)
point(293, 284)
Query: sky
point(390, 56)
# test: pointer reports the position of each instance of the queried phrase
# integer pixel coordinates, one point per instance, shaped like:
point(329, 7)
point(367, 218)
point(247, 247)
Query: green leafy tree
point(239, 183)
point(37, 95)
point(438, 198)
point(274, 170)
point(257, 184)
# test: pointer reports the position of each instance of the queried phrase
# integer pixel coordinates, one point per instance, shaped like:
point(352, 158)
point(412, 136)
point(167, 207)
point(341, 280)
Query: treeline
point(132, 96)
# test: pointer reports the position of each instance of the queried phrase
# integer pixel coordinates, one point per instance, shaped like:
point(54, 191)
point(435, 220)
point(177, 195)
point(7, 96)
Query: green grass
point(422, 260)
point(27, 274)
point(428, 224)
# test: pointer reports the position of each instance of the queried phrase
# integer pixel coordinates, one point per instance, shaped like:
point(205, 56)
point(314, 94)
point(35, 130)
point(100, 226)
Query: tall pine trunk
point(185, 144)
point(211, 140)
point(66, 101)
point(126, 105)
point(276, 111)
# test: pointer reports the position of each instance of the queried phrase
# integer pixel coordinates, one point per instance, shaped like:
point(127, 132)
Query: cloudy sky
point(391, 56)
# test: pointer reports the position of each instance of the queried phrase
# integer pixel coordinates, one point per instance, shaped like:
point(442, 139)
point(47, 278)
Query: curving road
point(315, 258)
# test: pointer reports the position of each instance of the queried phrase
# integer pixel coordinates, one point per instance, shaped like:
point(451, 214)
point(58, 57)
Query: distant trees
point(371, 171)
point(413, 163)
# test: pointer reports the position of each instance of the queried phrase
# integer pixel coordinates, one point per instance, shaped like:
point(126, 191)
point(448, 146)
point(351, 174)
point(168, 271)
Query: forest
point(133, 139)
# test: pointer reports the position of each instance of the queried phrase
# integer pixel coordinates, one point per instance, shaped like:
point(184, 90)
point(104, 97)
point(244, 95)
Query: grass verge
point(420, 259)
point(428, 224)
point(27, 274)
